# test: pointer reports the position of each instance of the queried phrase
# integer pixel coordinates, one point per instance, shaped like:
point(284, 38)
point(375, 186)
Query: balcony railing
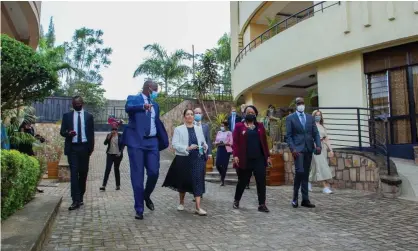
point(281, 26)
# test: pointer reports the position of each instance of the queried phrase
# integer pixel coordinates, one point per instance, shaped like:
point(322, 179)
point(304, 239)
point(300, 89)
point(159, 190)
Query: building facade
point(353, 54)
point(21, 21)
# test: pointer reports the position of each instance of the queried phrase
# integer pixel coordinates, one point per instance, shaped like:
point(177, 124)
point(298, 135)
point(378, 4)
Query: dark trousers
point(256, 166)
point(78, 159)
point(139, 160)
point(302, 169)
point(110, 160)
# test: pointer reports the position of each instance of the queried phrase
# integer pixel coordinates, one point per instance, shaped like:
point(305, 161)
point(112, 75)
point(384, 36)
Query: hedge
point(19, 178)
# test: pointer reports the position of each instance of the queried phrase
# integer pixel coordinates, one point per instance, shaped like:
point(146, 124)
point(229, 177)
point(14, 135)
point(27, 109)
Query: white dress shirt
point(83, 126)
point(153, 129)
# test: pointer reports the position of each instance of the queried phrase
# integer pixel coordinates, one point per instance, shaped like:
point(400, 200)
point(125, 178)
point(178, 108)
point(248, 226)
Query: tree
point(26, 76)
point(164, 67)
point(92, 93)
point(56, 56)
point(87, 53)
point(223, 56)
point(206, 77)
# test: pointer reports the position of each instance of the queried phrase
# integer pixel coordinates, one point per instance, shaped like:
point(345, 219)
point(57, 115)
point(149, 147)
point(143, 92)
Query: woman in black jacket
point(114, 154)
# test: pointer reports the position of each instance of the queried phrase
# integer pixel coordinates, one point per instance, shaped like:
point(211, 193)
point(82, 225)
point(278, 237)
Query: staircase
point(231, 177)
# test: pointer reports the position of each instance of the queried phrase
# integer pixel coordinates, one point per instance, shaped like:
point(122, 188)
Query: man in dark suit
point(145, 136)
point(303, 139)
point(233, 119)
point(78, 129)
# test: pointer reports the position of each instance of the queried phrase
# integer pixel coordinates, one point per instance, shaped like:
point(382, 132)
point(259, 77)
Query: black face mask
point(250, 117)
point(77, 108)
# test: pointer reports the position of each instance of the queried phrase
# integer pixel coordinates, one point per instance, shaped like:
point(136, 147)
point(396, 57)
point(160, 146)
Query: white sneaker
point(201, 212)
point(327, 190)
point(180, 207)
point(310, 187)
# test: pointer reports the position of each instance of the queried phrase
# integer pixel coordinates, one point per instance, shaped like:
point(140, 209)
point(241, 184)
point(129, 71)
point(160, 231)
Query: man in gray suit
point(303, 139)
point(205, 127)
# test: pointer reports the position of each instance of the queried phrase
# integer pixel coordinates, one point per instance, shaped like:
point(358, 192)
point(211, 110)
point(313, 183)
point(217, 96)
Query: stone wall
point(174, 117)
point(48, 130)
point(355, 170)
point(416, 154)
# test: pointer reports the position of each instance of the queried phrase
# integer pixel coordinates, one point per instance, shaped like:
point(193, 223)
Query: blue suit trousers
point(141, 159)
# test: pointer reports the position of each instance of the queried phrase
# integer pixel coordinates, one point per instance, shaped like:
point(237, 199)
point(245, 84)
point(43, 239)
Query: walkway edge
point(28, 228)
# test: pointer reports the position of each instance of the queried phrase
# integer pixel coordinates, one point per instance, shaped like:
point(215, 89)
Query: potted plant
point(54, 150)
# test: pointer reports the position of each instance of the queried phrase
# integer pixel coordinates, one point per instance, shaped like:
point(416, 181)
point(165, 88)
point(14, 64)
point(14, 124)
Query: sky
point(129, 26)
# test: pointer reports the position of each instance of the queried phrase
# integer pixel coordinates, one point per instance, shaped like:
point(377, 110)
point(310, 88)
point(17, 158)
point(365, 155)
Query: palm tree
point(162, 66)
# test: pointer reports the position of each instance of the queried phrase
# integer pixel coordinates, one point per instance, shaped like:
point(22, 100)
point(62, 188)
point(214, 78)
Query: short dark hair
point(225, 123)
point(78, 97)
point(186, 110)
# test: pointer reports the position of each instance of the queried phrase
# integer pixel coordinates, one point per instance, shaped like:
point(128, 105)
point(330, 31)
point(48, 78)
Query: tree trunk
point(204, 109)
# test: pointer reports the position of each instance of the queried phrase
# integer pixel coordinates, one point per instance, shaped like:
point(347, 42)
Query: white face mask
point(222, 128)
point(300, 108)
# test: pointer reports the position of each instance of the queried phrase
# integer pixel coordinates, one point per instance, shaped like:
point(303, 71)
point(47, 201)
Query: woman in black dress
point(187, 172)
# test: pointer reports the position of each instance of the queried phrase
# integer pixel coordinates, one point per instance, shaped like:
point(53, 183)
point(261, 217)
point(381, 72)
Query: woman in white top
point(320, 170)
point(187, 172)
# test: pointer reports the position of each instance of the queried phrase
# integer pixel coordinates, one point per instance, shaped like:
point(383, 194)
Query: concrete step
point(229, 181)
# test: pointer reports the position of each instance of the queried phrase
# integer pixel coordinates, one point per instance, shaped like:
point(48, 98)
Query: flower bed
point(19, 177)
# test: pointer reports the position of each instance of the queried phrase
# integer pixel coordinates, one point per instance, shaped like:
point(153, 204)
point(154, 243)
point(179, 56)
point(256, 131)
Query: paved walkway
point(346, 220)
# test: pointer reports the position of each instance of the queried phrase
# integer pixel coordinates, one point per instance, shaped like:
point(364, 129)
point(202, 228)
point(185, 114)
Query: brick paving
point(346, 220)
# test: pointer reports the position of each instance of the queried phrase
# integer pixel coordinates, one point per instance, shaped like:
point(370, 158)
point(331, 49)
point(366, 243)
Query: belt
point(149, 137)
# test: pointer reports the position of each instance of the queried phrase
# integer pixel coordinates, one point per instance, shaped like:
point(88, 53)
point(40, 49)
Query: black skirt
point(179, 175)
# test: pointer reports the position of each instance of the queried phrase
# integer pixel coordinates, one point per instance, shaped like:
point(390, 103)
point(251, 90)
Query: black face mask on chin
point(77, 108)
point(250, 117)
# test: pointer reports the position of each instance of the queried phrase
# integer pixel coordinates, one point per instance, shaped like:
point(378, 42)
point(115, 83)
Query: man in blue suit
point(303, 139)
point(145, 136)
point(233, 119)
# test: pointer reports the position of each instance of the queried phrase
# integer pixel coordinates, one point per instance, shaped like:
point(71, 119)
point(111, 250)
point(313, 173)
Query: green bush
point(26, 76)
point(19, 178)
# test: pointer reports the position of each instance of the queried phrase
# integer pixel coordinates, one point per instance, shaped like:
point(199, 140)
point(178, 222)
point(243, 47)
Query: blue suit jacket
point(139, 123)
point(206, 132)
point(298, 137)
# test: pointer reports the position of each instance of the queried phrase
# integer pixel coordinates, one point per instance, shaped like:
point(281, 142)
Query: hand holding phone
point(72, 133)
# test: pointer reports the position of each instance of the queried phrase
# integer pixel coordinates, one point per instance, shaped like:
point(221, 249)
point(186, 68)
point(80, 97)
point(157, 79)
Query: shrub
point(19, 178)
point(26, 76)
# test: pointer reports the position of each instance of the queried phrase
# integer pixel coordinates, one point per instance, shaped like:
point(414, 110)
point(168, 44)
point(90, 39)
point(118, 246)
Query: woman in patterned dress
point(187, 171)
point(320, 170)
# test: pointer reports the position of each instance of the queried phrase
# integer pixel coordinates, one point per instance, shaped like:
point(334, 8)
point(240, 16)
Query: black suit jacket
point(67, 125)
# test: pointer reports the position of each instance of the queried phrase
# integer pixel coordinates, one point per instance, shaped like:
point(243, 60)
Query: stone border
point(64, 174)
point(375, 180)
point(416, 154)
point(27, 229)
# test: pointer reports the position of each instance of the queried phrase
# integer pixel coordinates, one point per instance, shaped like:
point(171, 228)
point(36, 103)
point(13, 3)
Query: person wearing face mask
point(303, 139)
point(145, 136)
point(223, 142)
point(187, 171)
point(320, 170)
point(78, 129)
point(251, 156)
point(114, 153)
point(205, 127)
point(233, 119)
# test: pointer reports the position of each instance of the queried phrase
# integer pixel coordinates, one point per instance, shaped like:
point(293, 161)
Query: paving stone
point(346, 220)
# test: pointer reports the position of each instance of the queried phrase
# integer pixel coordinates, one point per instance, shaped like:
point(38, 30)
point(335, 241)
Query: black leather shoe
point(103, 189)
point(307, 204)
point(139, 216)
point(118, 188)
point(263, 208)
point(74, 206)
point(81, 203)
point(295, 204)
point(149, 204)
point(236, 205)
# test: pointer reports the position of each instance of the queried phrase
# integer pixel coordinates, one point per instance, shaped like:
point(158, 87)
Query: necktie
point(302, 119)
point(79, 138)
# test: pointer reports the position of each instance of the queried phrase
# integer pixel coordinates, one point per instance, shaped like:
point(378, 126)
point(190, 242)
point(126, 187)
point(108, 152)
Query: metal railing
point(353, 128)
point(281, 26)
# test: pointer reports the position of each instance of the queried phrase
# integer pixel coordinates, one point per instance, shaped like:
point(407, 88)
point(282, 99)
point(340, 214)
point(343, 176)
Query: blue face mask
point(153, 94)
point(317, 118)
point(233, 113)
point(198, 117)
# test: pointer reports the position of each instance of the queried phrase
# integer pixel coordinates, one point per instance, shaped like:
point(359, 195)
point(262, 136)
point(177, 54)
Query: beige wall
point(262, 101)
point(256, 30)
point(338, 30)
point(234, 29)
point(246, 10)
point(341, 83)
